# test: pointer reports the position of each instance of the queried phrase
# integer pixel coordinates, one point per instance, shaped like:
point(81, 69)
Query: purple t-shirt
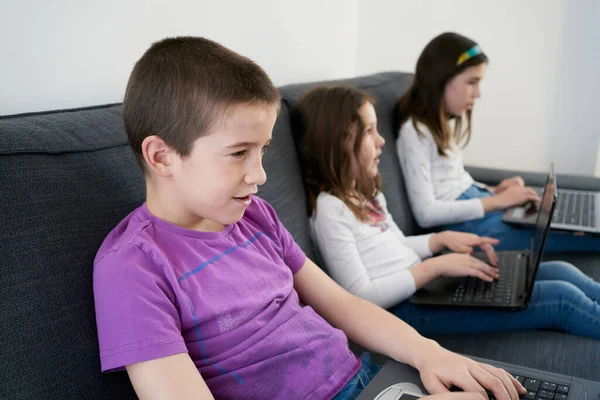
point(226, 298)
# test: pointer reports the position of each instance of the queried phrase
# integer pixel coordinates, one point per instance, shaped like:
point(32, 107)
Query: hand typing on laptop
point(531, 207)
point(446, 370)
point(507, 183)
point(510, 197)
point(453, 265)
point(461, 242)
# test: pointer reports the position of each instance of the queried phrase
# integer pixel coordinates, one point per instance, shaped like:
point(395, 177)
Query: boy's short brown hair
point(182, 85)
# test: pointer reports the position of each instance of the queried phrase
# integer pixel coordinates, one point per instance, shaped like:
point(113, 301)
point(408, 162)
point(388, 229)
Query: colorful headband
point(472, 52)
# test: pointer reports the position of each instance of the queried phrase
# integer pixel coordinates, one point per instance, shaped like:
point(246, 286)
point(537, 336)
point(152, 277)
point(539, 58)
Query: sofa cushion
point(385, 89)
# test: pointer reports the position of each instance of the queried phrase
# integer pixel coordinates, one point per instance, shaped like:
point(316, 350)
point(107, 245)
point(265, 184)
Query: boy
point(197, 291)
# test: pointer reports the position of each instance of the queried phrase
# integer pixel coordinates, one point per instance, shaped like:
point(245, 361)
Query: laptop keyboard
point(541, 390)
point(474, 290)
point(575, 208)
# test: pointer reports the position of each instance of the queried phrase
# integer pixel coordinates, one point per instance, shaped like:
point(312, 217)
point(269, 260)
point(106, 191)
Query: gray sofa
point(68, 177)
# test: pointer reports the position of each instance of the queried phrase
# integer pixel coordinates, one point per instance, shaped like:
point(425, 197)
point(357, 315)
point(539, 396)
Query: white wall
point(540, 93)
point(539, 99)
point(73, 53)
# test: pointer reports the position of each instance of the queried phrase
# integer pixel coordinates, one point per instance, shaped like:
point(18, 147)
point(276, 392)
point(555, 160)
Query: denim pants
point(359, 381)
point(563, 299)
point(518, 238)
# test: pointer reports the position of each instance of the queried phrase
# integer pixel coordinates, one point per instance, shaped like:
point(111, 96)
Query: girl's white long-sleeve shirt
point(433, 182)
point(369, 260)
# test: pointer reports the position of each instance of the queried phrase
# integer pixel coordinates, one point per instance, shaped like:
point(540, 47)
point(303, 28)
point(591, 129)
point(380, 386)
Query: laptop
point(512, 291)
point(576, 211)
point(400, 381)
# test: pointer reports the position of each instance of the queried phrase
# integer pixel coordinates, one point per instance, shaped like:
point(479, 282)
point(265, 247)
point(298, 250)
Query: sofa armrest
point(493, 176)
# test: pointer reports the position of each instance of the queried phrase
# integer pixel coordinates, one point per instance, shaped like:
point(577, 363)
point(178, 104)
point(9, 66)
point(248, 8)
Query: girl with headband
point(433, 121)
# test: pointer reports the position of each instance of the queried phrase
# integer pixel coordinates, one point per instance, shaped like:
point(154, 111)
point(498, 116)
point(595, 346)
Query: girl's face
point(462, 90)
point(372, 142)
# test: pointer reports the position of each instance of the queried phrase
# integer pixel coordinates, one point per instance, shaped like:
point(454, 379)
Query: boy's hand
point(466, 242)
point(509, 182)
point(441, 369)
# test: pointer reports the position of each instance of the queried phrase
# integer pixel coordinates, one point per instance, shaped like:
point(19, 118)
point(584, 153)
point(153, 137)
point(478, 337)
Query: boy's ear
point(158, 155)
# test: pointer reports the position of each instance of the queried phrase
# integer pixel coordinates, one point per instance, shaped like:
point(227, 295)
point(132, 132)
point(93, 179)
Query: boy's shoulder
point(260, 212)
point(126, 235)
point(138, 233)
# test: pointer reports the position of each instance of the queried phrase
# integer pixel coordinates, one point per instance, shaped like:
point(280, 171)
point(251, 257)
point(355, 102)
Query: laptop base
point(578, 388)
point(509, 293)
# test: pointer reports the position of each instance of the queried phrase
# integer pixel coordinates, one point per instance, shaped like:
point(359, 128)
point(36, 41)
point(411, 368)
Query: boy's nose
point(257, 175)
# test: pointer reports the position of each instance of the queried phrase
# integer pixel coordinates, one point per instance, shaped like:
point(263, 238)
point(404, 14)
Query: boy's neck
point(163, 204)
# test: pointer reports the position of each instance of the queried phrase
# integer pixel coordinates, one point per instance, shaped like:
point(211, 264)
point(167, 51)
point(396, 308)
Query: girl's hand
point(441, 370)
point(510, 197)
point(460, 242)
point(515, 196)
point(457, 265)
point(509, 182)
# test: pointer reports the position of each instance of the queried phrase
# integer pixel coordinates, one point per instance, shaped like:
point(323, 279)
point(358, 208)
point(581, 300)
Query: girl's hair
point(446, 56)
point(326, 119)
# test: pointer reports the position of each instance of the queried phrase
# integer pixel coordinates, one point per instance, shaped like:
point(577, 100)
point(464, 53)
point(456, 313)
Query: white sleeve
point(419, 243)
point(414, 153)
point(333, 234)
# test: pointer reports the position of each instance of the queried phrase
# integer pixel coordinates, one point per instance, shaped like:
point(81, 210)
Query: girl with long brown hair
point(367, 254)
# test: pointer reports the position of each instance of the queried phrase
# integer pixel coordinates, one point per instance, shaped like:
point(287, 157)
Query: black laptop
point(518, 269)
point(397, 381)
point(576, 211)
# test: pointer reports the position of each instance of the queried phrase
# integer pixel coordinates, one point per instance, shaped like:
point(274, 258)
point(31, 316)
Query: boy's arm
point(382, 332)
point(173, 377)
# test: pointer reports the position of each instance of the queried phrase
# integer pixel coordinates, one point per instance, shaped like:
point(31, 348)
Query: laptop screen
point(542, 225)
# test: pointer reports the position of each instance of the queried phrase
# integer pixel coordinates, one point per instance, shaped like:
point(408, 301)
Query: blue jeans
point(362, 378)
point(563, 299)
point(517, 238)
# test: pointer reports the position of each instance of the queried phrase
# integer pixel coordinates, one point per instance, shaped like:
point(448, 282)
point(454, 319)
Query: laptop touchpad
point(440, 285)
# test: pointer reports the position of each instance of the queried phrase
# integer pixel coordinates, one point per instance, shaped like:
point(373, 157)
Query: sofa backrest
point(66, 179)
point(284, 188)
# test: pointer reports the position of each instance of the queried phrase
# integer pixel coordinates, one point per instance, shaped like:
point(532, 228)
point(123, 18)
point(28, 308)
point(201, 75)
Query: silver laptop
point(576, 211)
point(400, 381)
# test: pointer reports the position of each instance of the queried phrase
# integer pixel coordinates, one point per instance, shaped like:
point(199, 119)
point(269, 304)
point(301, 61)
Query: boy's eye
point(239, 154)
point(264, 150)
